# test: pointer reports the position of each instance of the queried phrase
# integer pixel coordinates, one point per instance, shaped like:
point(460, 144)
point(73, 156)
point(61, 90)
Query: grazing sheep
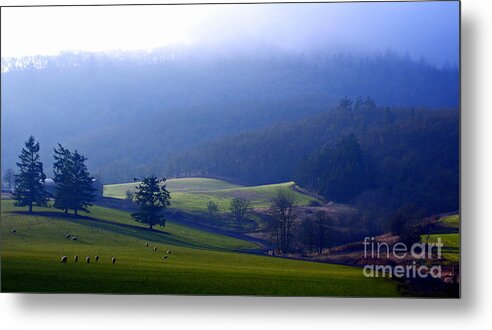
point(13, 231)
point(155, 249)
point(113, 260)
point(74, 238)
point(147, 244)
point(169, 251)
point(97, 258)
point(68, 236)
point(76, 258)
point(88, 260)
point(165, 257)
point(64, 260)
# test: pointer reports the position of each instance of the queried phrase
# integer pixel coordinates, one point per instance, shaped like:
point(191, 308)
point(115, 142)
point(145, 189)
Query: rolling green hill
point(200, 263)
point(192, 194)
point(173, 185)
point(452, 221)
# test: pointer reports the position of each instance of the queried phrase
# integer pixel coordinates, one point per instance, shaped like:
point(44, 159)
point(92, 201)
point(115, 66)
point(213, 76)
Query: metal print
point(289, 149)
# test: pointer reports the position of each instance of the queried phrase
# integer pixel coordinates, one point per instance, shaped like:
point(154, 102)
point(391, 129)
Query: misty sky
point(421, 29)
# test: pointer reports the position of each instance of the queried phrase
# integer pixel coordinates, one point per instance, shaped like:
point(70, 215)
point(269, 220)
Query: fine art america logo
point(405, 261)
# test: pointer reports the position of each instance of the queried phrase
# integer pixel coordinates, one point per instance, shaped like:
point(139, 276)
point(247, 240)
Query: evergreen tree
point(338, 173)
point(74, 185)
point(62, 169)
point(29, 189)
point(345, 171)
point(152, 198)
point(83, 192)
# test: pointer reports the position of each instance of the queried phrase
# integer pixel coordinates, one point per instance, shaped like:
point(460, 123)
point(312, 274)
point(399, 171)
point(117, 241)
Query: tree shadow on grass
point(154, 235)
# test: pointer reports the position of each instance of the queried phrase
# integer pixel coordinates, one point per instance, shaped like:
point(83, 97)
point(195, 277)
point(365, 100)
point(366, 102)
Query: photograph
point(292, 149)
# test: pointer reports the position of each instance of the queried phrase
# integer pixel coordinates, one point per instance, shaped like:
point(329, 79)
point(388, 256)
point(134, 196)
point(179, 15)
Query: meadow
point(451, 241)
point(200, 262)
point(192, 194)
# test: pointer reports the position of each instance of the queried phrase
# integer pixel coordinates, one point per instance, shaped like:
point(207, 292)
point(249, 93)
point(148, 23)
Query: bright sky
point(421, 29)
point(47, 31)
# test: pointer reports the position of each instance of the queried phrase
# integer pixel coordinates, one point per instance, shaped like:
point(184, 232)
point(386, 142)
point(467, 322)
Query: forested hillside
point(131, 113)
point(358, 152)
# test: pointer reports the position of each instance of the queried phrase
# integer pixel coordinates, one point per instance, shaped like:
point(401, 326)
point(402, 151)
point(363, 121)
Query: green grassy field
point(192, 194)
point(451, 242)
point(173, 185)
point(200, 263)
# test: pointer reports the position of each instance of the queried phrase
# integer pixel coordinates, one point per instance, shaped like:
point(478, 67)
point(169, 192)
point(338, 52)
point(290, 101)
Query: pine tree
point(152, 198)
point(345, 171)
point(82, 182)
point(62, 169)
point(74, 185)
point(29, 189)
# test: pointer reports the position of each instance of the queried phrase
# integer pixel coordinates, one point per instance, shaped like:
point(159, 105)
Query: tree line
point(293, 230)
point(379, 159)
point(74, 189)
point(290, 229)
point(200, 98)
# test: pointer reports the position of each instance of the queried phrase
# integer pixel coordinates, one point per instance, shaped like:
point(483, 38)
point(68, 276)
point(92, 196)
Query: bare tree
point(284, 211)
point(307, 233)
point(240, 208)
point(129, 195)
point(9, 177)
point(322, 225)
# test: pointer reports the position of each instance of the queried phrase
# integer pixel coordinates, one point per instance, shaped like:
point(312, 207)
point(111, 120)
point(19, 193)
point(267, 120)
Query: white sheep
point(165, 257)
point(113, 260)
point(155, 249)
point(74, 238)
point(68, 236)
point(169, 251)
point(13, 231)
point(76, 258)
point(97, 258)
point(88, 259)
point(147, 244)
point(64, 260)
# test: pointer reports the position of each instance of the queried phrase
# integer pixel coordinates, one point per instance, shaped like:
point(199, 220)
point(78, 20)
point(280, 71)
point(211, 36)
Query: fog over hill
point(130, 112)
point(185, 75)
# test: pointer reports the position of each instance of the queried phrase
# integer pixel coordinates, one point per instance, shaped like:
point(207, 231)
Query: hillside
point(406, 156)
point(130, 114)
point(200, 263)
point(192, 194)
